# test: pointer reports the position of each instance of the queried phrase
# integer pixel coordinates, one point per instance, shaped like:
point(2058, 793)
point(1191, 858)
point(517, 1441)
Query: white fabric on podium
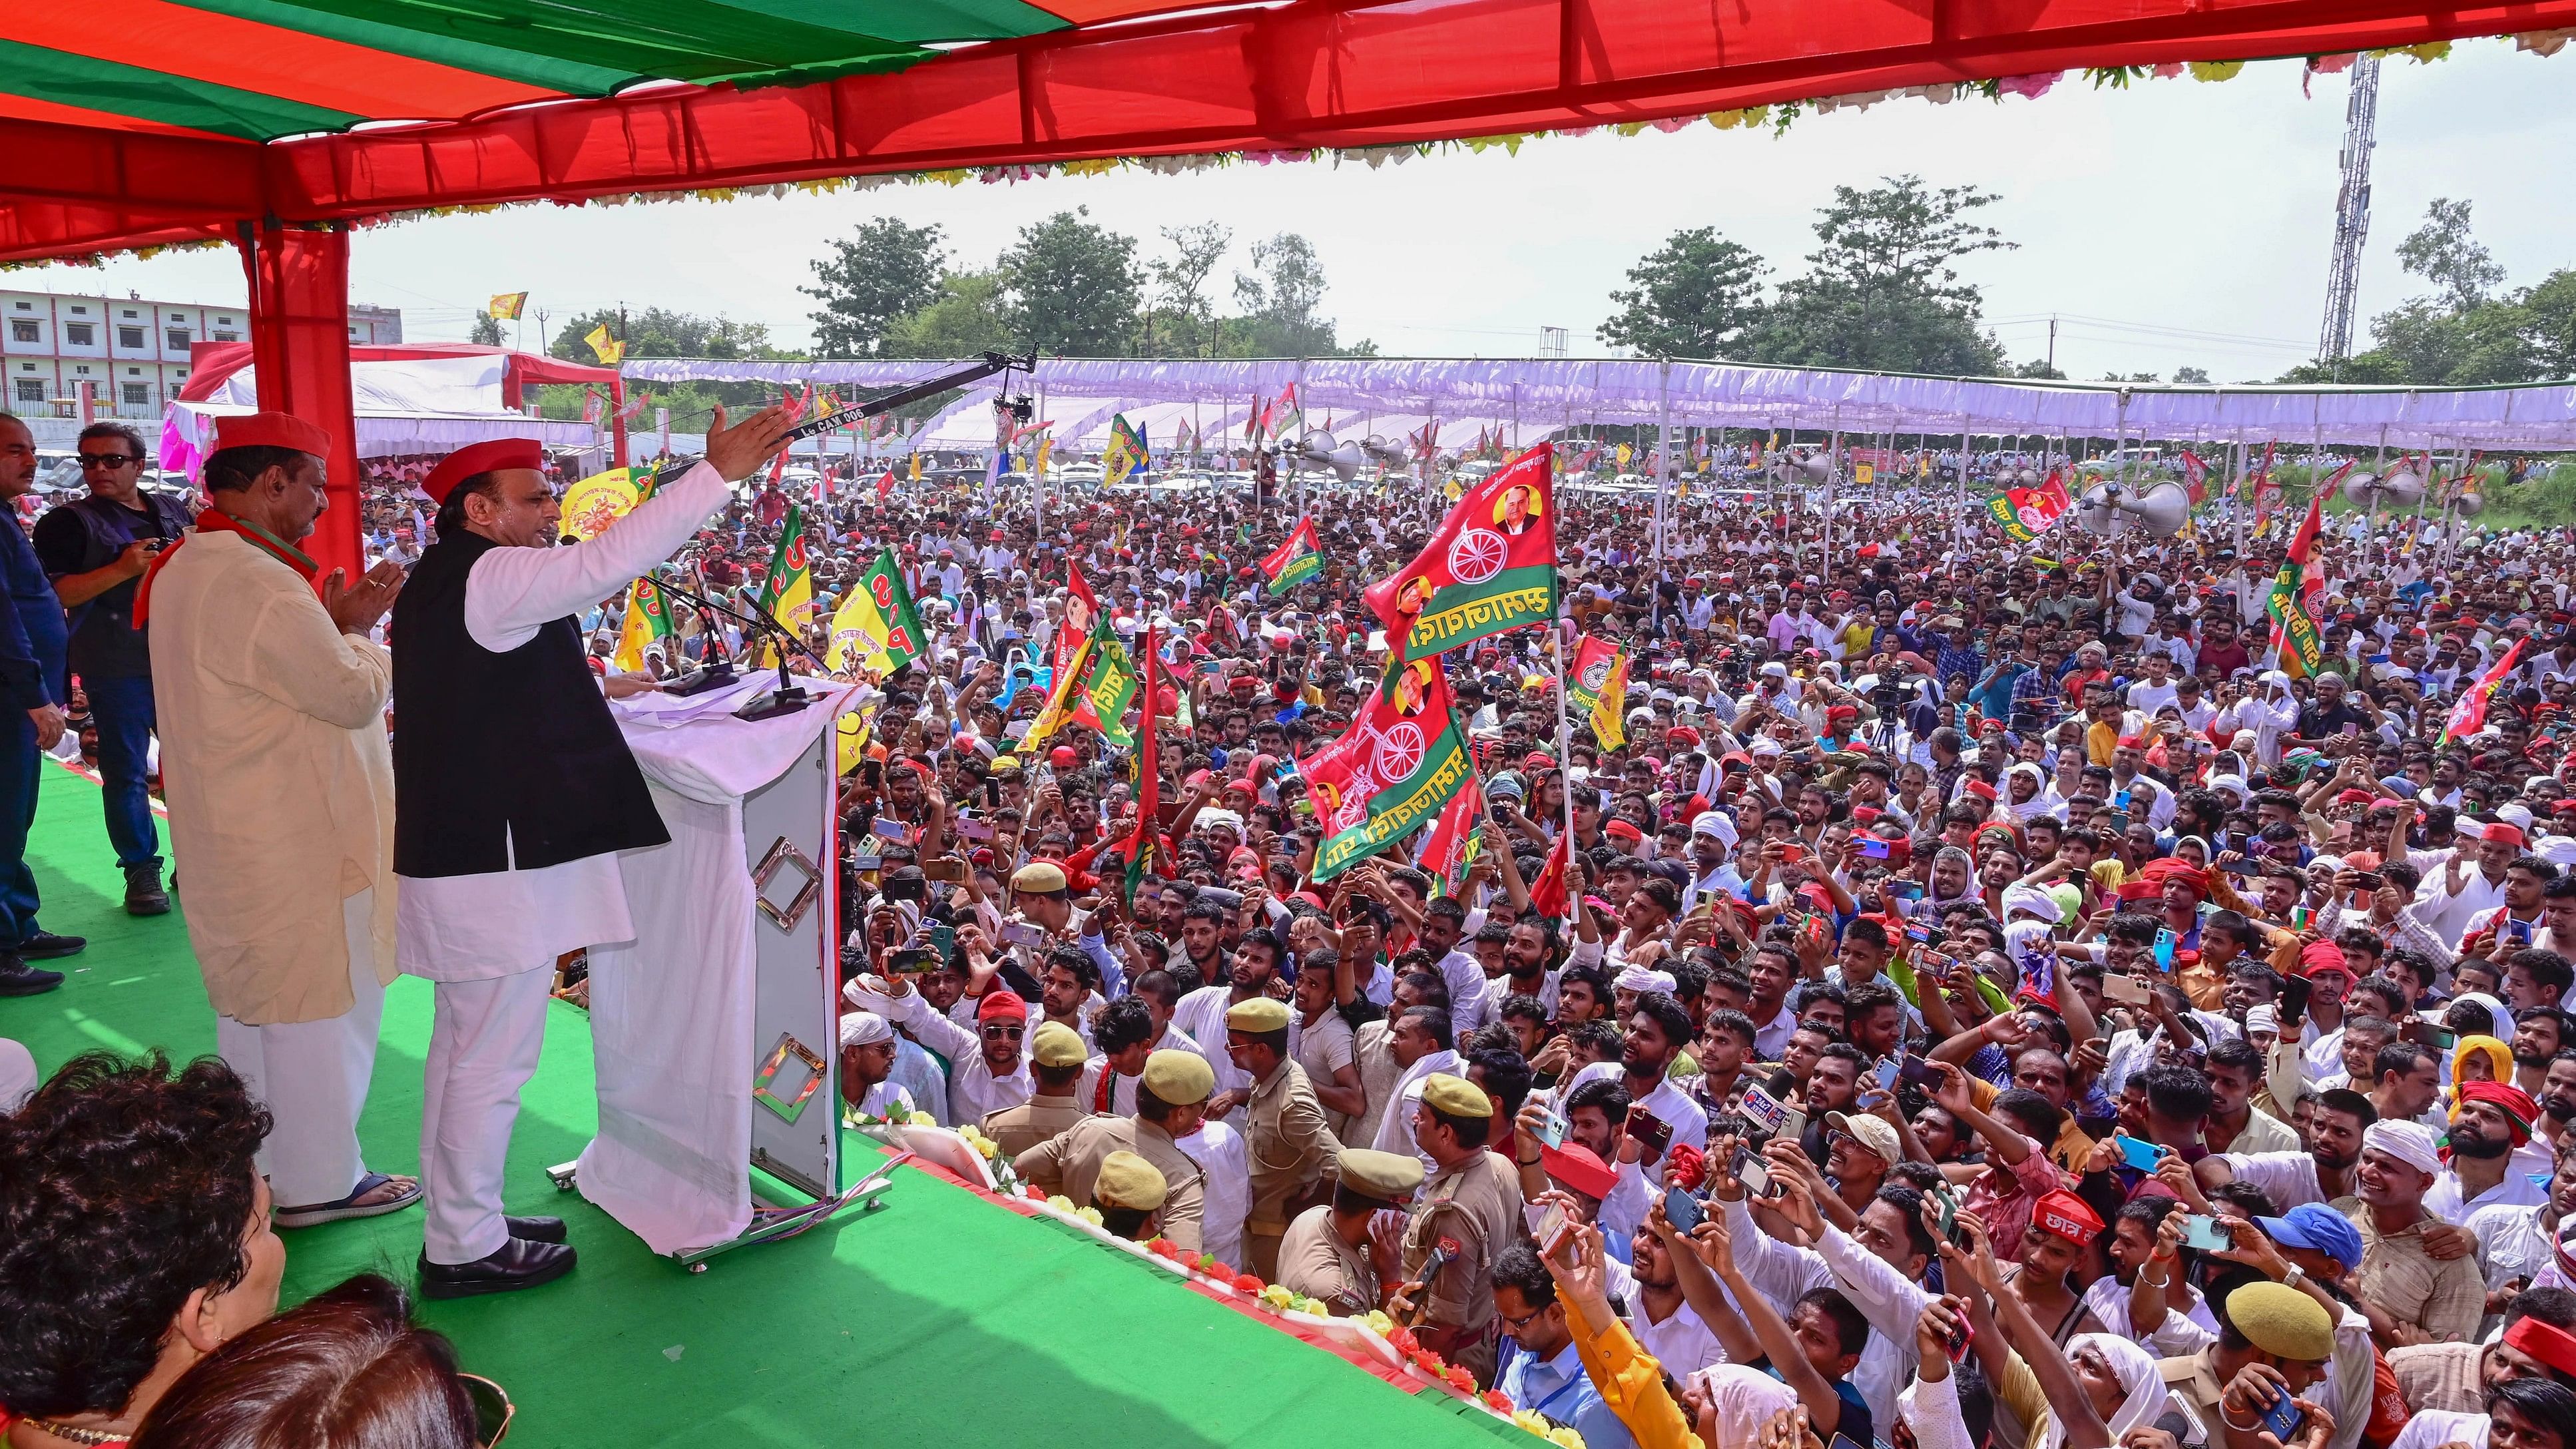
point(671, 1009)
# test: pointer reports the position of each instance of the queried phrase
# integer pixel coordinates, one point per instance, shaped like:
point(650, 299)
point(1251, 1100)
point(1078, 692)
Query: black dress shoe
point(17, 978)
point(519, 1264)
point(536, 1230)
point(46, 946)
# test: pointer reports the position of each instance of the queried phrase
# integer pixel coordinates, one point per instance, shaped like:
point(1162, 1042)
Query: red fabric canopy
point(210, 363)
point(1313, 73)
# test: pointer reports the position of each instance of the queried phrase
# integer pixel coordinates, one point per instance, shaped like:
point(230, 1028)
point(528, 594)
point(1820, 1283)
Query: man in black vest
point(514, 793)
point(95, 549)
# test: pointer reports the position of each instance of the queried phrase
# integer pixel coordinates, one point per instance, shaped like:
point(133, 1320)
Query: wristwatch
point(2297, 1276)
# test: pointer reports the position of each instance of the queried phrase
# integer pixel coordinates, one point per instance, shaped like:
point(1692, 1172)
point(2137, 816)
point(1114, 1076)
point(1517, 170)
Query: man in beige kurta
point(280, 790)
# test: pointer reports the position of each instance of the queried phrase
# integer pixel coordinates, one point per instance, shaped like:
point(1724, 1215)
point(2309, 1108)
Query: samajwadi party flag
point(2195, 477)
point(1455, 840)
point(2295, 629)
point(597, 501)
point(2470, 715)
point(1107, 688)
point(876, 625)
point(1081, 614)
point(2026, 513)
point(648, 617)
point(1396, 769)
point(1293, 562)
point(1490, 566)
point(505, 306)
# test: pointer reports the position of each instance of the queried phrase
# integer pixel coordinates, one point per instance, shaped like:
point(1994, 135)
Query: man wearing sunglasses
point(95, 550)
point(31, 676)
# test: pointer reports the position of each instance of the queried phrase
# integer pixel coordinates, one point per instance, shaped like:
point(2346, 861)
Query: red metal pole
point(299, 333)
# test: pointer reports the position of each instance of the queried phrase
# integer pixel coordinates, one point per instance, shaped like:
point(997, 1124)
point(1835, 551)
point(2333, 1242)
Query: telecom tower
point(2352, 211)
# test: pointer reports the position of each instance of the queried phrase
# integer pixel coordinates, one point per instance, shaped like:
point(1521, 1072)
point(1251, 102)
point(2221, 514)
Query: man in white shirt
point(507, 852)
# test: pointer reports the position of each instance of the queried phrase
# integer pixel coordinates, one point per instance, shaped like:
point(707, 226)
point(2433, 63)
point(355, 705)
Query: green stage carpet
point(938, 1319)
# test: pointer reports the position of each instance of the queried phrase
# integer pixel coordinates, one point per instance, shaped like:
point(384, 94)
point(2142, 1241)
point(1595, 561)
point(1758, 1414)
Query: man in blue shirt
point(1543, 1373)
point(32, 637)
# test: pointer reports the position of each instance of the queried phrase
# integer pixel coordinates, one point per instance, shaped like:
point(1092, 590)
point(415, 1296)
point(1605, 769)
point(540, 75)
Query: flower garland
point(1778, 117)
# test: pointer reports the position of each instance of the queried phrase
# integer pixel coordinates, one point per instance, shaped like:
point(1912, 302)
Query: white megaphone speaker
point(1318, 450)
point(2110, 509)
point(2469, 504)
point(2027, 478)
point(1382, 452)
point(2396, 490)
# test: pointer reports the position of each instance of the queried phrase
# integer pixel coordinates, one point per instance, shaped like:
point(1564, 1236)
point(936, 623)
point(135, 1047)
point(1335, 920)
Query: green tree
point(1180, 319)
point(1697, 295)
point(2038, 367)
point(2442, 252)
point(656, 332)
point(487, 331)
point(1070, 286)
point(2549, 324)
point(966, 319)
point(2191, 375)
point(871, 281)
point(1282, 300)
point(1881, 291)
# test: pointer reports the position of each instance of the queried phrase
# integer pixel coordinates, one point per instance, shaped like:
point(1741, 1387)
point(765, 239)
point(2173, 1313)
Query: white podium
point(716, 1030)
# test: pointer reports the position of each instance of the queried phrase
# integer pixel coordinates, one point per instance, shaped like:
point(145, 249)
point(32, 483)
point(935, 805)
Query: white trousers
point(483, 1042)
point(313, 1076)
point(18, 1079)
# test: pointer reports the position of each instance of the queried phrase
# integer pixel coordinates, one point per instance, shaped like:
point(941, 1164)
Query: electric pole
point(2352, 214)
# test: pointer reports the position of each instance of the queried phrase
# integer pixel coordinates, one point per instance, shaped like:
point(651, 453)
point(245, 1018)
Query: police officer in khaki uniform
point(1170, 1100)
point(1325, 1253)
point(1056, 1056)
point(1130, 1193)
point(1285, 1137)
point(2270, 1323)
point(1473, 1200)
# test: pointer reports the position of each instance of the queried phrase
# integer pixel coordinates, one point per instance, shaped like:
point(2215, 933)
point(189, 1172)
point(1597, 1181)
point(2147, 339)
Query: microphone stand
point(790, 696)
point(715, 671)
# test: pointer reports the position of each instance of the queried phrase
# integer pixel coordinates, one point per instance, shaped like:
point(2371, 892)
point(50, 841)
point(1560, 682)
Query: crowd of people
point(1975, 994)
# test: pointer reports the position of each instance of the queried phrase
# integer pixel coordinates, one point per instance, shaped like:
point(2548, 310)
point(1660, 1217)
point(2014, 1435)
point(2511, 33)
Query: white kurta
point(474, 927)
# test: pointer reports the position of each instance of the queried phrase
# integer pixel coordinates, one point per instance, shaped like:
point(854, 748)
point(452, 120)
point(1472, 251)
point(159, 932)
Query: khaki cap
point(1128, 1181)
point(1181, 1078)
point(1386, 1176)
point(1261, 1013)
point(1058, 1045)
point(1455, 1096)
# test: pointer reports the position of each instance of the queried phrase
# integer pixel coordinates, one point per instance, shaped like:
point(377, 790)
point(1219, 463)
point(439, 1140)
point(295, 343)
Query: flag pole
point(1565, 760)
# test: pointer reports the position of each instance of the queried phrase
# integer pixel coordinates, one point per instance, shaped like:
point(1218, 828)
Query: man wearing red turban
point(2491, 1121)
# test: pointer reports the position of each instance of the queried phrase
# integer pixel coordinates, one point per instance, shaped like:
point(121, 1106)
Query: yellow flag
point(597, 501)
point(648, 617)
point(505, 305)
point(851, 741)
point(1625, 453)
point(1046, 445)
point(1610, 706)
point(916, 467)
point(610, 350)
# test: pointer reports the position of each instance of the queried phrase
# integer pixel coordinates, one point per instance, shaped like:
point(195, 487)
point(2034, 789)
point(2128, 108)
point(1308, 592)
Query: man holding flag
point(514, 793)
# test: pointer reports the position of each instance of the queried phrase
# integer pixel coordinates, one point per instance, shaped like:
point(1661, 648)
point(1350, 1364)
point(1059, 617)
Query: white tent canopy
point(404, 407)
point(1542, 393)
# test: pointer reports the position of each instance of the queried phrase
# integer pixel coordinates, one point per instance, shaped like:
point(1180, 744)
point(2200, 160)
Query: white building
point(134, 353)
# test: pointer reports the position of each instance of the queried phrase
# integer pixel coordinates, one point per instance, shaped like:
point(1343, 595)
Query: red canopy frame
point(1301, 76)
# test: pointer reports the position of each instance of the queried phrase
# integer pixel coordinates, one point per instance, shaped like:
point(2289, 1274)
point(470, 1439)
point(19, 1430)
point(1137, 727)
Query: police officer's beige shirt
point(1038, 1119)
point(1313, 1260)
point(1478, 1202)
point(1287, 1144)
point(1070, 1164)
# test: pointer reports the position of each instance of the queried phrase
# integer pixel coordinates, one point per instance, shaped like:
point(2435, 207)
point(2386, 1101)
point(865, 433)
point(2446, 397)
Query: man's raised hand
point(736, 452)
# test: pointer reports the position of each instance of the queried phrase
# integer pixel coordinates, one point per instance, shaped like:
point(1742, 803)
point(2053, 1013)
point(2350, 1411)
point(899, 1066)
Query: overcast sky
point(2171, 224)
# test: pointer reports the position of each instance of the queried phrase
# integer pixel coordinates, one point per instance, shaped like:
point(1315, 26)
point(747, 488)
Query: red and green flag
point(1489, 567)
point(1293, 562)
point(1393, 771)
point(2294, 631)
point(1126, 451)
point(1456, 840)
point(2470, 715)
point(2026, 513)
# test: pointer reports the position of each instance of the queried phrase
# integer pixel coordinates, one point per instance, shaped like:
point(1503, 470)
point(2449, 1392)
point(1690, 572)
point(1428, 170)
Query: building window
point(179, 339)
point(26, 306)
point(138, 394)
point(81, 371)
point(79, 334)
point(24, 329)
point(31, 389)
point(80, 311)
point(130, 312)
point(129, 337)
point(228, 337)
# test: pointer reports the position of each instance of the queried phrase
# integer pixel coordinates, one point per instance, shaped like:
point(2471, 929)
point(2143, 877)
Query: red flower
point(1035, 1193)
point(1498, 1401)
point(1404, 1342)
point(1246, 1283)
point(1224, 1274)
point(1459, 1379)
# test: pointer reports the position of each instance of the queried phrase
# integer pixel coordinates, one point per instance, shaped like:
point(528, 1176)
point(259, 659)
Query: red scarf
point(214, 521)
